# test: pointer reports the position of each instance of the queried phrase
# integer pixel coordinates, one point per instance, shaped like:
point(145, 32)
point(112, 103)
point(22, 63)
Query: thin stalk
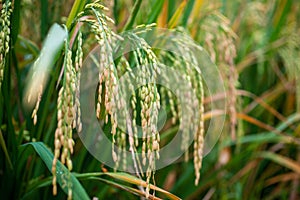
point(46, 105)
point(44, 18)
point(3, 145)
point(11, 139)
point(77, 7)
point(133, 15)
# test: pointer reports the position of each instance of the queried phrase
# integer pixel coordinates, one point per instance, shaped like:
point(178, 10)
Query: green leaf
point(77, 7)
point(4, 148)
point(15, 21)
point(174, 21)
point(281, 160)
point(61, 171)
point(39, 73)
point(44, 18)
point(155, 11)
point(187, 12)
point(133, 14)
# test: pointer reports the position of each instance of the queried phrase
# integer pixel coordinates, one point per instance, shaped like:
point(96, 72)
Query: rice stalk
point(68, 113)
point(5, 29)
point(186, 63)
point(219, 39)
point(110, 103)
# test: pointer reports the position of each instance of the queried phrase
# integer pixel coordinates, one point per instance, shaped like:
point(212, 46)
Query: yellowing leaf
point(178, 13)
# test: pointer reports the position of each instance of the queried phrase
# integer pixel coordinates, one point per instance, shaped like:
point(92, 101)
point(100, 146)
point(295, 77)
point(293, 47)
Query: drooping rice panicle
point(5, 29)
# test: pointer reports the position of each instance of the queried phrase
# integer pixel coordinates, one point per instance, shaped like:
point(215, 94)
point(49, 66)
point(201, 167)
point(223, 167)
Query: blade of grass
point(44, 18)
point(281, 14)
point(242, 172)
point(258, 100)
point(7, 107)
point(289, 121)
point(259, 138)
point(256, 122)
point(271, 95)
point(39, 73)
point(252, 58)
point(174, 21)
point(133, 15)
point(36, 185)
point(4, 148)
point(129, 179)
point(281, 160)
point(156, 9)
point(29, 46)
point(16, 21)
point(261, 102)
point(43, 67)
point(62, 172)
point(188, 12)
point(77, 7)
point(124, 187)
point(196, 9)
point(282, 177)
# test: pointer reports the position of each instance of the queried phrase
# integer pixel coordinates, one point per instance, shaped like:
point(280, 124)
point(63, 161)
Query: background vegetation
point(256, 45)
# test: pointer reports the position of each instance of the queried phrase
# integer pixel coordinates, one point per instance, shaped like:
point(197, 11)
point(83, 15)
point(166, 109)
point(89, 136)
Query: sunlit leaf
point(40, 71)
point(61, 171)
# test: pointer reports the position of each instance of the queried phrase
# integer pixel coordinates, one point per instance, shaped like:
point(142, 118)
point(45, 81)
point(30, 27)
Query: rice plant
point(214, 81)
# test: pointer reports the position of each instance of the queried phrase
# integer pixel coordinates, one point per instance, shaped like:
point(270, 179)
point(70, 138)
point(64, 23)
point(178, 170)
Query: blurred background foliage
point(256, 45)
